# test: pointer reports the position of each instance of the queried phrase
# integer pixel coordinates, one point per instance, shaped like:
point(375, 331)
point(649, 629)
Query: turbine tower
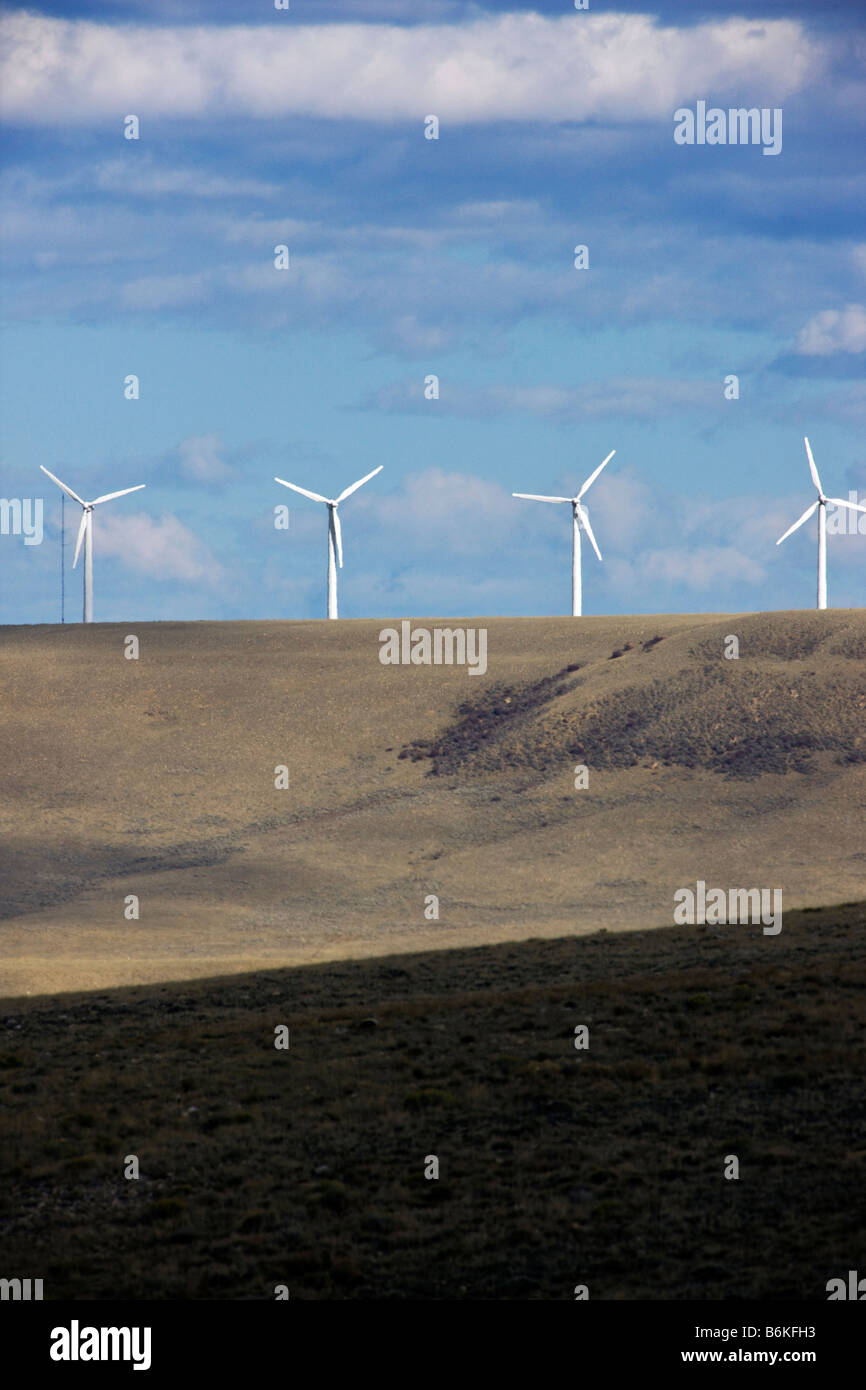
point(821, 505)
point(335, 536)
point(85, 533)
point(579, 519)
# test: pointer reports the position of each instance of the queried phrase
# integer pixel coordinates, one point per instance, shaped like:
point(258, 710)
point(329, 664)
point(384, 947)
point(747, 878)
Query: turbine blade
point(338, 534)
point(840, 502)
point(805, 517)
point(315, 496)
point(584, 521)
point(812, 469)
point(67, 490)
point(347, 492)
point(82, 528)
point(533, 497)
point(109, 496)
point(592, 477)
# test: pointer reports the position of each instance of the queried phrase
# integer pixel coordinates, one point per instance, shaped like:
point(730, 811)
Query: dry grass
point(156, 778)
point(305, 1167)
point(451, 1037)
point(764, 712)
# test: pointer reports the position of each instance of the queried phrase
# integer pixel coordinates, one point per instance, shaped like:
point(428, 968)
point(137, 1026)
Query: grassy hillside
point(155, 778)
point(305, 1167)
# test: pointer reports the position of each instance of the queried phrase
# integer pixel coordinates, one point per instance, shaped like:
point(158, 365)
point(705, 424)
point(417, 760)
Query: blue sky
point(411, 257)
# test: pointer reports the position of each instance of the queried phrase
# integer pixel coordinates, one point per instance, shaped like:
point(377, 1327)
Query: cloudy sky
point(409, 258)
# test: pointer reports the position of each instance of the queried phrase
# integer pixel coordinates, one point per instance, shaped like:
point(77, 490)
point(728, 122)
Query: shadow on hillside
point(557, 1166)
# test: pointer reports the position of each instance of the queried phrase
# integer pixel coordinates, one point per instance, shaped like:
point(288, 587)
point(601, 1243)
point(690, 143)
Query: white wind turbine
point(821, 506)
point(335, 536)
point(580, 518)
point(85, 533)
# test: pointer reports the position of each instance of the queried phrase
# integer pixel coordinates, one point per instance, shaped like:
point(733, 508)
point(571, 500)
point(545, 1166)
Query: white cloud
point(623, 507)
point(260, 231)
point(834, 330)
point(520, 67)
point(643, 535)
point(201, 459)
point(506, 211)
point(709, 567)
point(651, 537)
point(406, 331)
point(153, 292)
point(447, 512)
point(464, 277)
point(146, 179)
point(165, 549)
point(849, 404)
point(637, 398)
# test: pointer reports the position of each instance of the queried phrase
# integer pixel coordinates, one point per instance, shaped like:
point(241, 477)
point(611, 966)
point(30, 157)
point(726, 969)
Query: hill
point(557, 1166)
point(155, 777)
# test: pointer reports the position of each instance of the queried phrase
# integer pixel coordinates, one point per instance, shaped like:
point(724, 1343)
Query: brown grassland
point(156, 778)
point(412, 1037)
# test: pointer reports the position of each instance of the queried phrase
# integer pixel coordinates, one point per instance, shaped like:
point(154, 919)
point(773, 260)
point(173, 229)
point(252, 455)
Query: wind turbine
point(580, 518)
point(821, 505)
point(335, 536)
point(85, 533)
